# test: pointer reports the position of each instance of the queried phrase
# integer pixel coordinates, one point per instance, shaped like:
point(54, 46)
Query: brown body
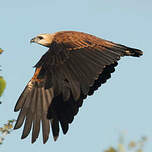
point(75, 65)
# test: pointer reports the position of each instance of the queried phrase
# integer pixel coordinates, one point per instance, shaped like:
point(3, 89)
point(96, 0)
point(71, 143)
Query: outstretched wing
point(71, 69)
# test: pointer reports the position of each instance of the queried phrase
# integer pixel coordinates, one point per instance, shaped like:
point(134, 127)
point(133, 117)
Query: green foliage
point(2, 81)
point(1, 50)
point(2, 85)
point(6, 129)
point(132, 146)
point(111, 149)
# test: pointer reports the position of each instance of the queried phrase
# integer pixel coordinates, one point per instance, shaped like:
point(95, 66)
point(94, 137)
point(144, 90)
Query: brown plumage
point(75, 65)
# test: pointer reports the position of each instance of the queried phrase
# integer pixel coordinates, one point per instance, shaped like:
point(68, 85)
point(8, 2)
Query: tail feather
point(133, 52)
point(122, 50)
point(128, 51)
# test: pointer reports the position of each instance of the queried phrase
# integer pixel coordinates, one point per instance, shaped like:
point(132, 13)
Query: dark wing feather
point(35, 108)
point(45, 121)
point(75, 65)
point(55, 128)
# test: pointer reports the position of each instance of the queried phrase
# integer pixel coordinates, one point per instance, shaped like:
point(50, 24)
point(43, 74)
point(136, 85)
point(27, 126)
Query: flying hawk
point(75, 65)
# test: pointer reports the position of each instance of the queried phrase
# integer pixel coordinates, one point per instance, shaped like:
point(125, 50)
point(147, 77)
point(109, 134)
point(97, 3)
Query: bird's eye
point(40, 37)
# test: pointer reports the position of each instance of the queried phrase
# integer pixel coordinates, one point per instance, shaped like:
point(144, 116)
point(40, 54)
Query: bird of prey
point(75, 65)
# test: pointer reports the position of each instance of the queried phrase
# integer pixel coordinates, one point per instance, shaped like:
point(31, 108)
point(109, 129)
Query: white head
point(43, 39)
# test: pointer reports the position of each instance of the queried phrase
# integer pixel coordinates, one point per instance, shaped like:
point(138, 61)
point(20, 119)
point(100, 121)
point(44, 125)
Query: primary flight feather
point(75, 65)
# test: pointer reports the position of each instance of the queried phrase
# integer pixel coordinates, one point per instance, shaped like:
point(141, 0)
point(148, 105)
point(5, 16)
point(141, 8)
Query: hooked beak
point(33, 40)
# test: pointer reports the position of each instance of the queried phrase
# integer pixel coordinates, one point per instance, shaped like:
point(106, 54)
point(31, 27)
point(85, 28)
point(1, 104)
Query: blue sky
point(123, 103)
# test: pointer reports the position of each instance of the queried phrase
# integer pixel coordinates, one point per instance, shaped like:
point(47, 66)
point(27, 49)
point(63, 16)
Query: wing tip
point(33, 140)
point(134, 52)
point(24, 135)
point(55, 138)
point(16, 109)
point(18, 124)
point(45, 139)
point(16, 127)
